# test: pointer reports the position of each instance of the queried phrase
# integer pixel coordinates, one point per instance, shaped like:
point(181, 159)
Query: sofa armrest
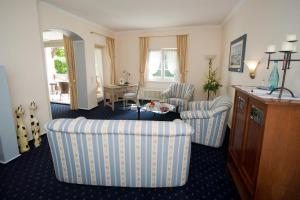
point(198, 114)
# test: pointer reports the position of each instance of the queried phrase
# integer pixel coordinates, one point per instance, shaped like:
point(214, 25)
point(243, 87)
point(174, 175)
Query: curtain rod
point(101, 34)
point(162, 35)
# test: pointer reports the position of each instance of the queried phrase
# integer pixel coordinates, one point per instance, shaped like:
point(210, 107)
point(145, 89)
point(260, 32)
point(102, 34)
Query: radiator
point(151, 94)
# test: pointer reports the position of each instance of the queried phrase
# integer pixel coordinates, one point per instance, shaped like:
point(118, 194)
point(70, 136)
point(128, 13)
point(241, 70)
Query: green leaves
point(212, 84)
point(60, 67)
point(60, 52)
point(60, 63)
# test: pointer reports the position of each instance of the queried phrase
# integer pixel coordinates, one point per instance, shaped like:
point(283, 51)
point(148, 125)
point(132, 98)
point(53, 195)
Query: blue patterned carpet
point(32, 176)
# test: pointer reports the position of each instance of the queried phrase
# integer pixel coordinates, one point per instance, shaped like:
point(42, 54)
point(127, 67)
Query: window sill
point(160, 81)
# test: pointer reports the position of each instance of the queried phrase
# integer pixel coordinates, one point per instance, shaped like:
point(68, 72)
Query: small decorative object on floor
point(287, 48)
point(35, 125)
point(274, 77)
point(212, 84)
point(22, 135)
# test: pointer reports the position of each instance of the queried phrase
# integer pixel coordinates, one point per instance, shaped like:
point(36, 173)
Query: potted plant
point(212, 84)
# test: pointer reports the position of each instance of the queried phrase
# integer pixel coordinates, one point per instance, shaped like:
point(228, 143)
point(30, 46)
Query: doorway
point(57, 67)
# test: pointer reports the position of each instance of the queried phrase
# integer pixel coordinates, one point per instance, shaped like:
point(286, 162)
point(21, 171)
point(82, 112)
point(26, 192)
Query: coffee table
point(158, 109)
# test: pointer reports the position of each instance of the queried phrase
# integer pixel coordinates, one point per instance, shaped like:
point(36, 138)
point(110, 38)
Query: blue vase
point(274, 77)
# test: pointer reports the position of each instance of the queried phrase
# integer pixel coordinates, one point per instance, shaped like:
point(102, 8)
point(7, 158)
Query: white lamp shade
point(251, 64)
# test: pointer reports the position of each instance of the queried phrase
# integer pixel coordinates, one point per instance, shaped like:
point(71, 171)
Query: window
point(162, 65)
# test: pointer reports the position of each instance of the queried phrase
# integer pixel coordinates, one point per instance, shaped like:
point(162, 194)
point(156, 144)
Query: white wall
point(55, 18)
point(22, 55)
point(266, 22)
point(79, 57)
point(202, 40)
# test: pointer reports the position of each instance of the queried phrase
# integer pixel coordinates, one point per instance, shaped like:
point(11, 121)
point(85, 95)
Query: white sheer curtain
point(163, 65)
point(154, 64)
point(170, 64)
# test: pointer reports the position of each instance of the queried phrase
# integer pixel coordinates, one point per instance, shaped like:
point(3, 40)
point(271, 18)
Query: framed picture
point(237, 54)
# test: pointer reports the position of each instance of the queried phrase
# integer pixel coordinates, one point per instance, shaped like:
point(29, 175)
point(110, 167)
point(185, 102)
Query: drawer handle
point(256, 115)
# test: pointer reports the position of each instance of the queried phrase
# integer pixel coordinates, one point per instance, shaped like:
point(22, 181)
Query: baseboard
point(5, 162)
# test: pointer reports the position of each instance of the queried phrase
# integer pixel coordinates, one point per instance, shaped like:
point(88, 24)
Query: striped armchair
point(124, 153)
point(179, 94)
point(209, 119)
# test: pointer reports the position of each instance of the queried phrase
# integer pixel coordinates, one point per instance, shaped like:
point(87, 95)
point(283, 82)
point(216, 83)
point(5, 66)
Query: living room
point(156, 47)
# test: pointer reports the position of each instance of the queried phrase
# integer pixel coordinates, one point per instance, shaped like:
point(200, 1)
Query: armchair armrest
point(203, 114)
point(198, 114)
point(189, 94)
point(198, 105)
point(166, 94)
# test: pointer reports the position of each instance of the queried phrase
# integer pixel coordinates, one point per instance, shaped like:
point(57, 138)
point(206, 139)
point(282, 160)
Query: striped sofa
point(209, 120)
point(179, 94)
point(122, 153)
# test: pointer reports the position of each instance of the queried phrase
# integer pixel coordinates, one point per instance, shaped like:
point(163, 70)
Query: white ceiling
point(121, 15)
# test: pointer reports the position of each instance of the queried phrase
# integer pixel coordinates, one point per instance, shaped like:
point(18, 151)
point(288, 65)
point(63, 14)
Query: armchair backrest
point(179, 90)
point(221, 103)
point(209, 120)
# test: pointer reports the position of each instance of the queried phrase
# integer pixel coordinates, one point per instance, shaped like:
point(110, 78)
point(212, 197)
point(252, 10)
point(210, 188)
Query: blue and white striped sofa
point(123, 153)
point(209, 120)
point(179, 94)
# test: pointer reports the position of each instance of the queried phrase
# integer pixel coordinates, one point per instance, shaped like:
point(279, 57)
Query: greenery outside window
point(60, 63)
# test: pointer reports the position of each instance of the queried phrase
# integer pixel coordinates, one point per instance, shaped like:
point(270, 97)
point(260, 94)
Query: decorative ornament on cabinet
point(274, 77)
point(287, 48)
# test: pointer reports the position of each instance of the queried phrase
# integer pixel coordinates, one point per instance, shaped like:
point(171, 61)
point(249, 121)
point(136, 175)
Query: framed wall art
point(237, 54)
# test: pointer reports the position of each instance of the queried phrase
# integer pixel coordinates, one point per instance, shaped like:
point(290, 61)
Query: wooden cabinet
point(265, 134)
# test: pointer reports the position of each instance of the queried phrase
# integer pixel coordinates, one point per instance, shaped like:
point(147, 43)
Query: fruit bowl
point(164, 109)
